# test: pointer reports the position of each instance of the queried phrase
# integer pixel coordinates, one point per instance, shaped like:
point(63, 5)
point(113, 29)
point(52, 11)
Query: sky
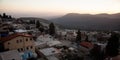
point(51, 8)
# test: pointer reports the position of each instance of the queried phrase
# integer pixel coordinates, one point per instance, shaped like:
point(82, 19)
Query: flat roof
point(49, 51)
point(9, 55)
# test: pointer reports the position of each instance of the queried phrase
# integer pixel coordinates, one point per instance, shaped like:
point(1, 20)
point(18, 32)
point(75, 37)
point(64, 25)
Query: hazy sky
point(58, 7)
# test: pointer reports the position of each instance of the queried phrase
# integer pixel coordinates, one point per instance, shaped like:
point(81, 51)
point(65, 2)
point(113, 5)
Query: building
point(44, 41)
point(66, 35)
point(18, 41)
point(49, 53)
point(5, 29)
point(54, 43)
point(10, 55)
point(18, 26)
point(92, 36)
point(87, 45)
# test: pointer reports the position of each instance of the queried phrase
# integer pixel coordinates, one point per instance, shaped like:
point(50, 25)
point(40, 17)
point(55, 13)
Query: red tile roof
point(3, 39)
point(86, 44)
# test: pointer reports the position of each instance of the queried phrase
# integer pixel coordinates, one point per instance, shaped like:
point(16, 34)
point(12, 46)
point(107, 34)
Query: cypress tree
point(112, 45)
point(96, 52)
point(41, 29)
point(51, 29)
point(86, 39)
point(0, 16)
point(37, 24)
point(9, 17)
point(78, 37)
point(4, 15)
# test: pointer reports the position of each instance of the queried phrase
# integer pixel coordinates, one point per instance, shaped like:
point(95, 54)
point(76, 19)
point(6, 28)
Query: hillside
point(90, 22)
point(33, 18)
point(43, 21)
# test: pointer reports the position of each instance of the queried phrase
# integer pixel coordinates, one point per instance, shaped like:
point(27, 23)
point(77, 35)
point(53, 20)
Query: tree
point(38, 24)
point(78, 37)
point(32, 22)
point(96, 52)
point(9, 17)
point(4, 15)
point(86, 39)
point(112, 46)
point(0, 16)
point(51, 29)
point(41, 29)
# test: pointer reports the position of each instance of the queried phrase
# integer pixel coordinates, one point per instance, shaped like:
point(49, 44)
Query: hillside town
point(38, 39)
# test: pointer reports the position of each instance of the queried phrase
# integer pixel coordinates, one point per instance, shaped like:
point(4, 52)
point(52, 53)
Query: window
point(31, 39)
point(27, 48)
point(13, 59)
point(65, 35)
point(31, 47)
point(53, 51)
point(21, 49)
point(18, 50)
point(17, 41)
point(8, 43)
point(20, 40)
point(26, 39)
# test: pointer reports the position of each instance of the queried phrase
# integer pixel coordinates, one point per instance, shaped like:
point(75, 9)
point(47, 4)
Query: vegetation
point(41, 29)
point(5, 16)
point(86, 39)
point(38, 24)
point(78, 37)
point(96, 53)
point(112, 46)
point(51, 29)
point(32, 22)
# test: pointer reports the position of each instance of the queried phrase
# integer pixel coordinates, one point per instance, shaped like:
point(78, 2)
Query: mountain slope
point(90, 22)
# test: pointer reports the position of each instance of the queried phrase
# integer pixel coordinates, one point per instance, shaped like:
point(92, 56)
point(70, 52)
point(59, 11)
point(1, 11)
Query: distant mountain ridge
point(90, 22)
